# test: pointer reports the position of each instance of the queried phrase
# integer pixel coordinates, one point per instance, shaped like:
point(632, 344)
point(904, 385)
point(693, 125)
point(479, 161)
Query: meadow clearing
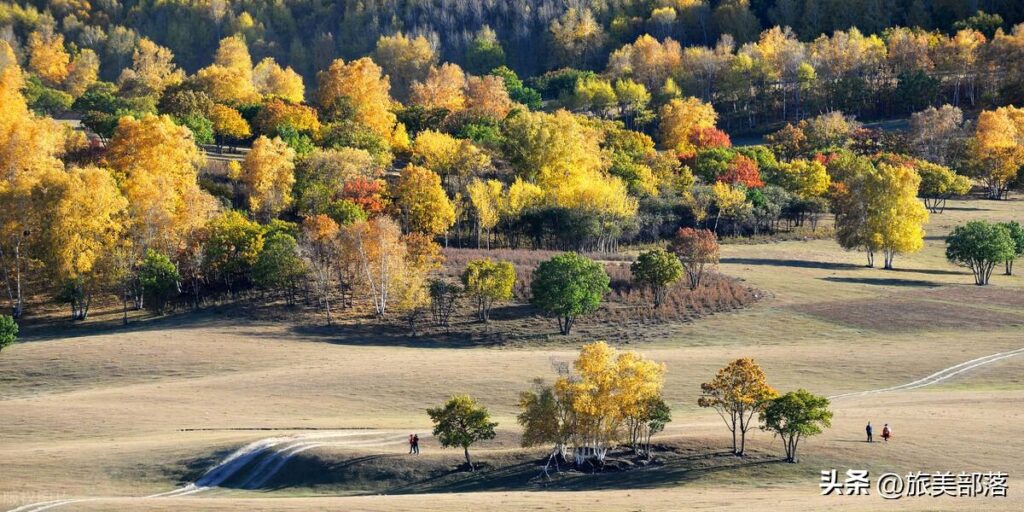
point(108, 416)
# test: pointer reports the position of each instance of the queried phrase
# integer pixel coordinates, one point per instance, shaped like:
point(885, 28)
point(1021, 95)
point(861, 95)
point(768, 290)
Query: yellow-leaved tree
point(85, 217)
point(83, 72)
point(228, 124)
point(996, 151)
point(267, 176)
point(359, 86)
point(28, 155)
point(563, 156)
point(488, 200)
point(897, 217)
point(730, 200)
point(679, 119)
point(405, 59)
point(456, 160)
point(271, 80)
point(421, 202)
point(157, 163)
point(804, 178)
point(876, 207)
point(47, 57)
point(152, 70)
point(443, 88)
point(737, 392)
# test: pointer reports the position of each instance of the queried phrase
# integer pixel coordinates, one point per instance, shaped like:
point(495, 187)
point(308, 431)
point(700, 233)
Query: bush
point(8, 331)
point(159, 279)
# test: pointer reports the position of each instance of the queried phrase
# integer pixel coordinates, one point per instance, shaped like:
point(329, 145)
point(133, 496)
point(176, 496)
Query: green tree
point(8, 331)
point(1017, 234)
point(279, 266)
point(979, 246)
point(460, 422)
point(567, 286)
point(485, 52)
point(159, 279)
point(657, 269)
point(487, 282)
point(795, 416)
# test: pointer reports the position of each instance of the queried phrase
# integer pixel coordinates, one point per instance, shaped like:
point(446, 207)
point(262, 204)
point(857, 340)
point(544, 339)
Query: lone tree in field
point(794, 416)
point(980, 246)
point(657, 269)
point(1017, 235)
point(738, 392)
point(460, 422)
point(695, 248)
point(487, 282)
point(8, 331)
point(567, 286)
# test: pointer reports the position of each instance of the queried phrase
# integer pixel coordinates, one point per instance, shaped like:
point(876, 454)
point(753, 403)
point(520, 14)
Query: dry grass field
point(110, 416)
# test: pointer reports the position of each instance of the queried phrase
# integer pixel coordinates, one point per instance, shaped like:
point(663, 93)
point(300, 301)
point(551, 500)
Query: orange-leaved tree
point(737, 392)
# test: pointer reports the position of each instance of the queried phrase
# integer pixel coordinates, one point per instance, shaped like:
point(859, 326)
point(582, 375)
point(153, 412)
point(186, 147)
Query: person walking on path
point(412, 444)
point(868, 429)
point(886, 432)
point(416, 444)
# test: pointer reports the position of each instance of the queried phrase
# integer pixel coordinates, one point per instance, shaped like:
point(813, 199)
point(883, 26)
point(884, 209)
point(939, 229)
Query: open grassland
point(125, 413)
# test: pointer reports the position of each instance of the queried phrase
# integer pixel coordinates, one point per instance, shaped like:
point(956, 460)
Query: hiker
point(412, 444)
point(416, 444)
point(869, 430)
point(886, 432)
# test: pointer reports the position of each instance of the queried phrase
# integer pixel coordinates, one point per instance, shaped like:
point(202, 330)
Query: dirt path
point(938, 376)
point(256, 463)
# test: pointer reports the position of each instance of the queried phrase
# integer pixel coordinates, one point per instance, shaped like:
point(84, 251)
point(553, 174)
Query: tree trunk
point(465, 450)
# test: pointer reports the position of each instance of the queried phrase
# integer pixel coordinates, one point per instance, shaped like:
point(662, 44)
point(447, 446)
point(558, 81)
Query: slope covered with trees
point(363, 162)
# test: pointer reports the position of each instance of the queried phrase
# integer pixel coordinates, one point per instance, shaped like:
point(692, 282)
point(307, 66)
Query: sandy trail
point(273, 453)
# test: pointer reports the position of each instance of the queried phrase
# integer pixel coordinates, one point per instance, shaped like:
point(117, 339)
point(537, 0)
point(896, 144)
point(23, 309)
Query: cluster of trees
point(981, 245)
point(608, 398)
point(408, 152)
point(740, 390)
point(530, 35)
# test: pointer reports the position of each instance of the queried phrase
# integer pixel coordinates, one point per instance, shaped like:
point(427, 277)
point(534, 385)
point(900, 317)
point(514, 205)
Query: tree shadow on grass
point(399, 474)
point(933, 272)
point(775, 262)
point(882, 281)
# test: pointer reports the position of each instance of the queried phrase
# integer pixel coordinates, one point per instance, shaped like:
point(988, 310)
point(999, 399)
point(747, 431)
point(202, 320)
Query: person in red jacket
point(886, 432)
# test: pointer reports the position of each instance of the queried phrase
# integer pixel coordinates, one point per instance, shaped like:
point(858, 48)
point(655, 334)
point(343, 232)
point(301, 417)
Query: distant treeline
point(536, 35)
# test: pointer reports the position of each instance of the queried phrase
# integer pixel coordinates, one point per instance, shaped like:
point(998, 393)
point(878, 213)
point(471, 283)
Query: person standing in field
point(868, 429)
point(886, 432)
point(416, 444)
point(412, 444)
